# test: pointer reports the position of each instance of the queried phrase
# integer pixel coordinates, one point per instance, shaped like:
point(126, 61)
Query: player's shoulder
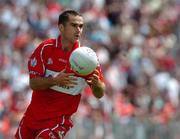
point(48, 42)
point(45, 46)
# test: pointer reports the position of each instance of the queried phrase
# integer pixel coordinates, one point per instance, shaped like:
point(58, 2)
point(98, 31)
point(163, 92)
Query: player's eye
point(74, 25)
point(77, 25)
point(81, 25)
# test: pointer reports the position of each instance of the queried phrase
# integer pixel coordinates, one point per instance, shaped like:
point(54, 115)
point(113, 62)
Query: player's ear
point(61, 27)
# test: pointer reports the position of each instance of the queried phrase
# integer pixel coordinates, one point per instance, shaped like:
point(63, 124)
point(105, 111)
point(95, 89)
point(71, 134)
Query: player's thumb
point(62, 71)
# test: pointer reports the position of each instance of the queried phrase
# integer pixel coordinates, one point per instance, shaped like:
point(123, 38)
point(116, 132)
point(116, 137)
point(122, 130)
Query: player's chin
point(76, 37)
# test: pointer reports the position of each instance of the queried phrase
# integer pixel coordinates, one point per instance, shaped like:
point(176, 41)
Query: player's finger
point(60, 73)
point(94, 77)
point(69, 78)
point(73, 83)
point(73, 78)
point(89, 82)
point(96, 72)
point(63, 71)
point(68, 82)
point(70, 74)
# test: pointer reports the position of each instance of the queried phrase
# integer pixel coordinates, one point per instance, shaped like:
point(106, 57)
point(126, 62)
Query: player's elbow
point(99, 91)
point(99, 95)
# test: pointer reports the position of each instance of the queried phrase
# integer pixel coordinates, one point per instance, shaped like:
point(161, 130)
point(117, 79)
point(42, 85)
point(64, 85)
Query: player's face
point(72, 30)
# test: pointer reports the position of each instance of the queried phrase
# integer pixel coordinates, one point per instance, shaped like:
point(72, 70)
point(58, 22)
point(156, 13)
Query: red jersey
point(48, 60)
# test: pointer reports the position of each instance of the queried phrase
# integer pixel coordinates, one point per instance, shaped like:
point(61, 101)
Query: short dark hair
point(64, 16)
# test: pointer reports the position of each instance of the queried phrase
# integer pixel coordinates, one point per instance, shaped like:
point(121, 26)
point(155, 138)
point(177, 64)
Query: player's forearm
point(41, 83)
point(98, 89)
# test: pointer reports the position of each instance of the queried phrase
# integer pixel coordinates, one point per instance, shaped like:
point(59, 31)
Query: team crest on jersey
point(33, 62)
point(50, 61)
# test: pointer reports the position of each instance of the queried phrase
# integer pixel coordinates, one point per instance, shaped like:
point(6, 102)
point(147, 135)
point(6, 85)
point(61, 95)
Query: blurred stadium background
point(137, 42)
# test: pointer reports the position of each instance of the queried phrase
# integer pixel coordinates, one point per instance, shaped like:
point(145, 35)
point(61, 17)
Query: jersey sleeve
point(36, 65)
point(100, 73)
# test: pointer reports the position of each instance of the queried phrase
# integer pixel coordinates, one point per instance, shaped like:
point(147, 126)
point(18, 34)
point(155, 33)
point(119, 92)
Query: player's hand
point(65, 79)
point(93, 80)
point(97, 86)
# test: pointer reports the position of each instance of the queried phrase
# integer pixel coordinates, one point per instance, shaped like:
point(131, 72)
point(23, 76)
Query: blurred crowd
point(137, 42)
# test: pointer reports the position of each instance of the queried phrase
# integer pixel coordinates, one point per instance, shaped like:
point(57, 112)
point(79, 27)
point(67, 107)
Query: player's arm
point(98, 89)
point(97, 85)
point(42, 83)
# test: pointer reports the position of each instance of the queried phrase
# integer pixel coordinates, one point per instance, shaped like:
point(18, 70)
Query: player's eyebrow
point(77, 25)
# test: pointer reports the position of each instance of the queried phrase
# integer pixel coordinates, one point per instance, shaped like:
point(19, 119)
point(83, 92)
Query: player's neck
point(66, 46)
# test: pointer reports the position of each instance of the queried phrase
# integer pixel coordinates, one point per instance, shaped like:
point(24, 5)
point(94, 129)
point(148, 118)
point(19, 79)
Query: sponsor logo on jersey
point(62, 60)
point(64, 86)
